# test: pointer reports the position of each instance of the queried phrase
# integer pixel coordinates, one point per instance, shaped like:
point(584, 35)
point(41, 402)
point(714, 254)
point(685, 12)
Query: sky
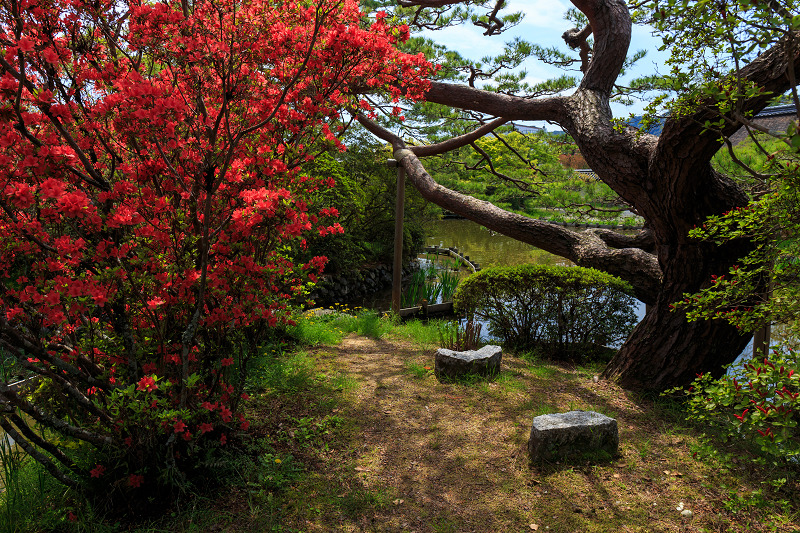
point(543, 24)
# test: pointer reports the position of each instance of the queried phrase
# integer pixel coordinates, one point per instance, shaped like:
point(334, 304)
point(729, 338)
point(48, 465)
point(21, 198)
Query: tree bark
point(664, 350)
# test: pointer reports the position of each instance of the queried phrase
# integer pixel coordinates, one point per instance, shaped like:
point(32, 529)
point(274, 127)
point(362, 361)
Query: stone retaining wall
point(356, 284)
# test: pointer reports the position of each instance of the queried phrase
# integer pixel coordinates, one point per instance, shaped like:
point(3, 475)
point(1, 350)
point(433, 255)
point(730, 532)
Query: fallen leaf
point(666, 472)
point(362, 469)
point(534, 526)
point(398, 501)
point(615, 475)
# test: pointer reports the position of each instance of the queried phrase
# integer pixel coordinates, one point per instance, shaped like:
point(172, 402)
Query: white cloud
point(541, 13)
point(543, 24)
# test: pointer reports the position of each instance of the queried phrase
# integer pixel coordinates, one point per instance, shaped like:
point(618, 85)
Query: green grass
point(26, 503)
point(424, 334)
point(282, 373)
point(310, 330)
point(417, 370)
point(316, 458)
point(510, 382)
point(329, 329)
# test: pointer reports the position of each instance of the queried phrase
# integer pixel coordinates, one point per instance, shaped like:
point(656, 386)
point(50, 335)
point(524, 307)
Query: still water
point(487, 247)
point(493, 249)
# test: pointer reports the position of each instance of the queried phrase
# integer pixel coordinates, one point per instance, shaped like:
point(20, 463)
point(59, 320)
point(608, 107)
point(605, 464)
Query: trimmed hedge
point(565, 312)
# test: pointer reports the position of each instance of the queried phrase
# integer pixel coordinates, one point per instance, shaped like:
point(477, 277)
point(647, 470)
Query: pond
point(489, 248)
point(486, 247)
point(483, 246)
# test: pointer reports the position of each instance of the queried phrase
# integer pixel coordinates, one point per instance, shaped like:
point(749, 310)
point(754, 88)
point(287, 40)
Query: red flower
point(50, 56)
point(205, 427)
point(135, 480)
point(97, 471)
point(228, 361)
point(223, 439)
point(179, 426)
point(51, 188)
point(147, 383)
point(25, 44)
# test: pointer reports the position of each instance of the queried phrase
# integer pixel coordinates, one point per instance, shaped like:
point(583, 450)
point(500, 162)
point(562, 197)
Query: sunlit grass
point(424, 334)
point(417, 370)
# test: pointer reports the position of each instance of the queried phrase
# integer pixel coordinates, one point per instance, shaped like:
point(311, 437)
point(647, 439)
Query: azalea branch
point(40, 458)
point(320, 17)
point(36, 440)
point(28, 235)
point(7, 395)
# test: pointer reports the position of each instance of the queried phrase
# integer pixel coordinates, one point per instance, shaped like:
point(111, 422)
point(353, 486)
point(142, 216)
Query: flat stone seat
point(452, 364)
point(573, 434)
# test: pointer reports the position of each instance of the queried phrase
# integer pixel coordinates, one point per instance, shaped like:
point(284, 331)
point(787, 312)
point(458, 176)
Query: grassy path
point(386, 447)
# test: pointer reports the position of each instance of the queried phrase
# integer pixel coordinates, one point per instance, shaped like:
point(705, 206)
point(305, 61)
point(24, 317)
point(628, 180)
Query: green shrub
point(565, 312)
point(758, 403)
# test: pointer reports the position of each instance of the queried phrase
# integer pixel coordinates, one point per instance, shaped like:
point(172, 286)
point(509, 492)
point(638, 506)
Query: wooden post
point(397, 273)
point(761, 341)
point(761, 336)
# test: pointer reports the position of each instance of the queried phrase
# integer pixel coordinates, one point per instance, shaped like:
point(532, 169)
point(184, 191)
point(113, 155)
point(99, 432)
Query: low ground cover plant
point(566, 312)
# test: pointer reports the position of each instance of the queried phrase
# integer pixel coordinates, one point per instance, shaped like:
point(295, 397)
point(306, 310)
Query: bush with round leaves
point(565, 312)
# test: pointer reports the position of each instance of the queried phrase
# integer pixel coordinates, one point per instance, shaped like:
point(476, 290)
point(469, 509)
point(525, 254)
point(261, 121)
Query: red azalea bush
point(150, 203)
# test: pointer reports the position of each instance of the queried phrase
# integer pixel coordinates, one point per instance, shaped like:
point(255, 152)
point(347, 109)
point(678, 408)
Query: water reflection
point(488, 247)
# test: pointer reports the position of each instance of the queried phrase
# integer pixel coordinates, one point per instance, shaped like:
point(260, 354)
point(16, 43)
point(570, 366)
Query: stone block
point(573, 434)
point(451, 364)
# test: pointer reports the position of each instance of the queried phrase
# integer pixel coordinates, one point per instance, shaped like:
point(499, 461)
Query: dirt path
point(454, 458)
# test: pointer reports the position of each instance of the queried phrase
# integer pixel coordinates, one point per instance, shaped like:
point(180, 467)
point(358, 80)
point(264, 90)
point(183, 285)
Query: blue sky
point(543, 24)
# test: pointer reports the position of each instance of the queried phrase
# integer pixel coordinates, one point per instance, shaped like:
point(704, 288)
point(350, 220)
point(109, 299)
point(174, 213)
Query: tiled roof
point(778, 110)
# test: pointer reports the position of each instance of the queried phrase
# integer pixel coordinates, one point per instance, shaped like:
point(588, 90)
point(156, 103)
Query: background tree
point(364, 198)
point(729, 75)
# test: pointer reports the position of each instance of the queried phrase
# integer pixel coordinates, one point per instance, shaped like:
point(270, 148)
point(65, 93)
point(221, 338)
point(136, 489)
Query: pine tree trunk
point(665, 350)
